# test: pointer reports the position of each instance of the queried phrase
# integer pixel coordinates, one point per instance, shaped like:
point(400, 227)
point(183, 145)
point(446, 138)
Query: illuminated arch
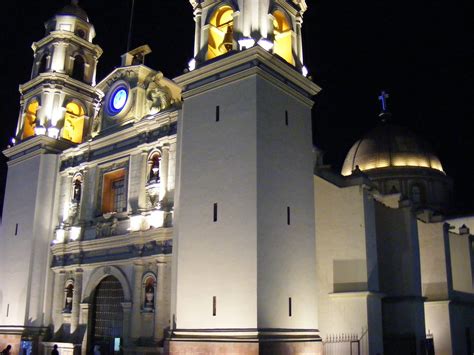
point(221, 32)
point(43, 64)
point(282, 32)
point(74, 122)
point(78, 68)
point(29, 123)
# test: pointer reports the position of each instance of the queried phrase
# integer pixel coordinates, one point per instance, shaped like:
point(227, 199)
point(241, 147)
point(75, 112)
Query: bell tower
point(60, 101)
point(235, 25)
point(244, 245)
point(57, 104)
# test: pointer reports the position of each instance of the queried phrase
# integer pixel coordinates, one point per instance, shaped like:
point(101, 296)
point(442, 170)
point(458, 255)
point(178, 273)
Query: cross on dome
point(383, 99)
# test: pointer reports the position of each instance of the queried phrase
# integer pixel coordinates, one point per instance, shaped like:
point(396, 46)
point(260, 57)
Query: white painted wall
point(29, 199)
point(346, 260)
point(218, 164)
point(286, 253)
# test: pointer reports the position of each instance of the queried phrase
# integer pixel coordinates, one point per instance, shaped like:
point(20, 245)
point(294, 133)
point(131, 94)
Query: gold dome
point(390, 146)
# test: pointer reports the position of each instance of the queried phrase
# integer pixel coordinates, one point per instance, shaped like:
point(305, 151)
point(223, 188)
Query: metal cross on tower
point(383, 99)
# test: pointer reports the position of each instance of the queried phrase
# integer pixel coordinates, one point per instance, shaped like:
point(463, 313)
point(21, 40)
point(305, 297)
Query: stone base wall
point(208, 348)
point(13, 340)
point(177, 347)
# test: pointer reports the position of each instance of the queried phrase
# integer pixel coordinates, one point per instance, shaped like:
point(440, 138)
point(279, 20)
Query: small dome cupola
point(390, 146)
point(398, 161)
point(73, 9)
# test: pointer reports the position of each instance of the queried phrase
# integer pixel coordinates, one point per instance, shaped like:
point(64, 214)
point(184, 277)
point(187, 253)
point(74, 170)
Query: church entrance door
point(107, 316)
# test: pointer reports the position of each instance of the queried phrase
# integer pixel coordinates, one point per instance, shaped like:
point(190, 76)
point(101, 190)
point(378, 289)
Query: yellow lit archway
point(29, 123)
point(73, 122)
point(220, 32)
point(282, 33)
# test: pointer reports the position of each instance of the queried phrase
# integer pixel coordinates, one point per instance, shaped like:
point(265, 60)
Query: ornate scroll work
point(159, 97)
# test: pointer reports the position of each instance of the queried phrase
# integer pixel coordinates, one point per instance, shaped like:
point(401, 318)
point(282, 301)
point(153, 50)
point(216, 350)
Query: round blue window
point(118, 100)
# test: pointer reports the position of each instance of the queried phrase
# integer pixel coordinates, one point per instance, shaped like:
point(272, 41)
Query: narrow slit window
point(215, 213)
point(16, 229)
point(218, 113)
point(214, 306)
point(288, 215)
point(8, 309)
point(286, 117)
point(290, 306)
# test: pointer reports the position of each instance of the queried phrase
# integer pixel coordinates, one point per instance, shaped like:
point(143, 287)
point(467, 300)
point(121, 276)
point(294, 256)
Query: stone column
point(161, 321)
point(299, 39)
point(197, 34)
point(127, 307)
point(137, 301)
point(165, 153)
point(58, 299)
point(85, 319)
point(76, 300)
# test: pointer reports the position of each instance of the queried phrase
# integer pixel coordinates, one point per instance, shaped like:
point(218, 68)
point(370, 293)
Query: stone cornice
point(35, 146)
point(55, 78)
point(238, 65)
point(70, 36)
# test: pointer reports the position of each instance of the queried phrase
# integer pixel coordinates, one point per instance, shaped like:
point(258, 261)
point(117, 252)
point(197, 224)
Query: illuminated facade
point(163, 216)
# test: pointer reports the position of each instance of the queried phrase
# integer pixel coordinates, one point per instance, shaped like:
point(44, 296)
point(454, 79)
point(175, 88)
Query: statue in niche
point(77, 190)
point(149, 304)
point(154, 175)
point(69, 295)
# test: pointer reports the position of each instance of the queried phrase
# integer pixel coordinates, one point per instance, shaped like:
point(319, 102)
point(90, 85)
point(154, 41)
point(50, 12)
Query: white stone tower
point(244, 249)
point(56, 105)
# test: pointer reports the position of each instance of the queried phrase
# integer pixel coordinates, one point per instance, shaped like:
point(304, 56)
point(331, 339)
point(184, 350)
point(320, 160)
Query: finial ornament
point(383, 99)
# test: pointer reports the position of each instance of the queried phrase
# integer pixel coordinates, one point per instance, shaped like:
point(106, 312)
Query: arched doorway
point(107, 316)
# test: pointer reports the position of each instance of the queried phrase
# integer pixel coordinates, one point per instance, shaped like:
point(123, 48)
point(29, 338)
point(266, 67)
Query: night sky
point(421, 52)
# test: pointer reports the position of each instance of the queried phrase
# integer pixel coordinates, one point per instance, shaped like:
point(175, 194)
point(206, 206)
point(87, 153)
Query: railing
point(346, 344)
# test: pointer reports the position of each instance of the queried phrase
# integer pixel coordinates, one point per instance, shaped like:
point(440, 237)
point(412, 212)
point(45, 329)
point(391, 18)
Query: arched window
point(73, 123)
point(221, 32)
point(68, 295)
point(77, 188)
point(416, 194)
point(282, 33)
point(153, 168)
point(43, 63)
point(78, 68)
point(149, 284)
point(29, 122)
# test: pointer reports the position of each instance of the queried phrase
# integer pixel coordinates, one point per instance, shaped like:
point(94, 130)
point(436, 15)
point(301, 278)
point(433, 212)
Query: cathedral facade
point(193, 216)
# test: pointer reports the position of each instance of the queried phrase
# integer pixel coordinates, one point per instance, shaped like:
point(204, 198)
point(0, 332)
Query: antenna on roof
point(130, 28)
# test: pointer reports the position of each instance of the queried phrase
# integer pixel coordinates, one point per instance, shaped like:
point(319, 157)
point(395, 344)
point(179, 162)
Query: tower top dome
point(390, 146)
point(73, 9)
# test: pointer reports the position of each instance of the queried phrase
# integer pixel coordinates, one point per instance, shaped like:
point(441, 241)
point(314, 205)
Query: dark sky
point(421, 52)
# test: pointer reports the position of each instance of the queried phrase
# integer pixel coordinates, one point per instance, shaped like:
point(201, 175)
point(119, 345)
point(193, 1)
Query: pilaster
point(160, 302)
point(59, 280)
point(76, 299)
point(136, 305)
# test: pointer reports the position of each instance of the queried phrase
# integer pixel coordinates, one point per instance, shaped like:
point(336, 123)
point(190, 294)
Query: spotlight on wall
point(265, 44)
point(53, 132)
point(75, 233)
point(192, 64)
point(13, 141)
point(304, 71)
point(40, 130)
point(246, 42)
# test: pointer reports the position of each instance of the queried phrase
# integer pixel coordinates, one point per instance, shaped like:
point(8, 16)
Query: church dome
point(73, 9)
point(390, 146)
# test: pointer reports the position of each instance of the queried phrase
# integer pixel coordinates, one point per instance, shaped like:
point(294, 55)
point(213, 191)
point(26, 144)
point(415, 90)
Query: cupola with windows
point(60, 99)
point(398, 161)
point(235, 25)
